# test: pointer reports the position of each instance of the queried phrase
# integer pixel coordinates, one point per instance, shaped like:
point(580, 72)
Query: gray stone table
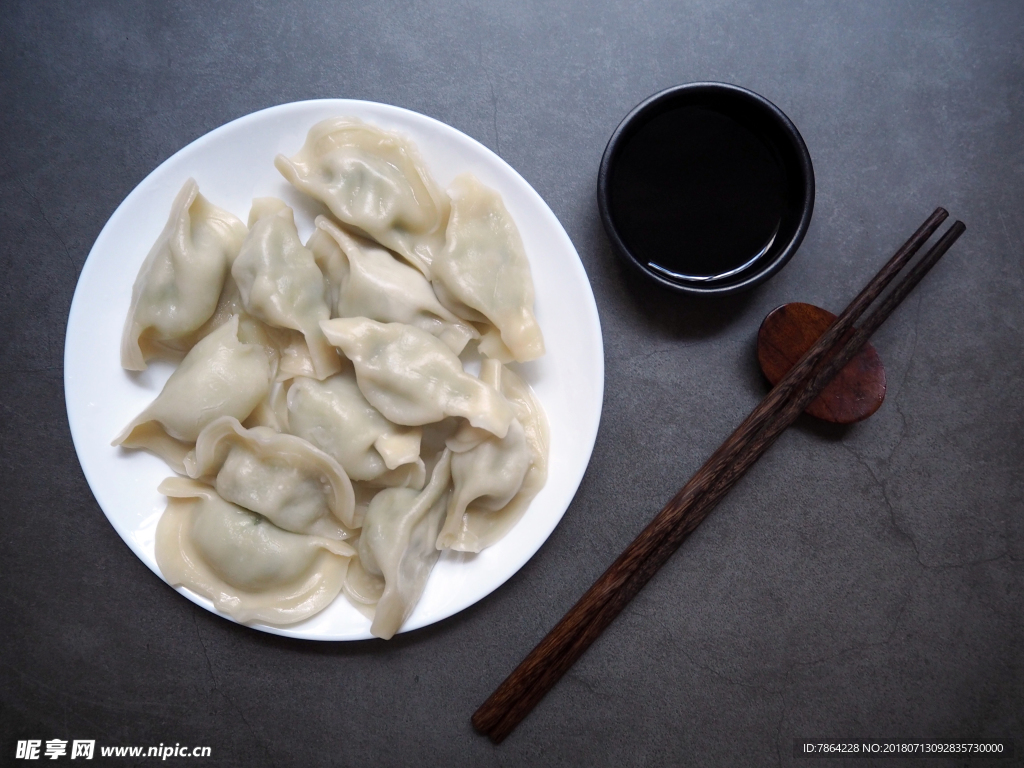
point(859, 583)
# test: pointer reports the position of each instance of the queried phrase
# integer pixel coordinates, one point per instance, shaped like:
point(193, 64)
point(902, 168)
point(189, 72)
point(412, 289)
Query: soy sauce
point(698, 194)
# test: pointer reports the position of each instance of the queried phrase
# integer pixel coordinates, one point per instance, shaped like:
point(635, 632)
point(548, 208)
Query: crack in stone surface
point(903, 426)
point(778, 727)
point(726, 677)
point(780, 692)
point(223, 694)
point(883, 487)
point(494, 117)
point(53, 229)
point(880, 482)
point(903, 381)
point(665, 349)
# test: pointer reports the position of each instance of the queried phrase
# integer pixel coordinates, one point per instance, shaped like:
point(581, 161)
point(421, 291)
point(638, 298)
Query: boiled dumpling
point(484, 268)
point(487, 476)
point(397, 544)
point(334, 416)
point(281, 284)
point(413, 378)
point(495, 479)
point(367, 281)
point(251, 569)
point(375, 181)
point(292, 483)
point(486, 471)
point(220, 376)
point(180, 281)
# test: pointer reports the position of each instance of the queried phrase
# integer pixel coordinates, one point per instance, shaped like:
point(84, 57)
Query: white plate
point(234, 164)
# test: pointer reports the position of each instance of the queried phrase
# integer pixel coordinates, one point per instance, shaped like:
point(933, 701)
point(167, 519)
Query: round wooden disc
point(789, 331)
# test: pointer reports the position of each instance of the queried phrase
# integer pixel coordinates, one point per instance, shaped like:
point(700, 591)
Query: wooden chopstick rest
point(786, 334)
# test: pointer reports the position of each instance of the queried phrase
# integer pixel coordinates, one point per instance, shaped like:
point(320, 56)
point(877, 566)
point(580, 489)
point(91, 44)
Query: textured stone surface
point(861, 582)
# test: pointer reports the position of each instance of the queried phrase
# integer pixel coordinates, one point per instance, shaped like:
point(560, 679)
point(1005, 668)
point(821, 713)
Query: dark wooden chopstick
point(626, 576)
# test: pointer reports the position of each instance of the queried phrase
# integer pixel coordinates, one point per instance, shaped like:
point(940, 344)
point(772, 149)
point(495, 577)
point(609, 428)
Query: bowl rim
point(650, 107)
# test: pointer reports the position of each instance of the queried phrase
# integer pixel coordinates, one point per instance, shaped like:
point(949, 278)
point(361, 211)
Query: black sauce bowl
point(726, 203)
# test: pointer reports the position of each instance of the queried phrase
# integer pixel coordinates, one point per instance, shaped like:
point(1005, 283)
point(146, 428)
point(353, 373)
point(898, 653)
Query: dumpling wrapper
point(363, 589)
point(484, 268)
point(180, 281)
point(272, 410)
point(375, 181)
point(289, 481)
point(286, 348)
point(280, 283)
point(413, 378)
point(334, 416)
point(397, 544)
point(367, 281)
point(250, 569)
point(220, 376)
point(494, 480)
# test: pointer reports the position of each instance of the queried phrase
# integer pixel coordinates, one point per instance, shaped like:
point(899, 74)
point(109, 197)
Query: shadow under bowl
point(706, 188)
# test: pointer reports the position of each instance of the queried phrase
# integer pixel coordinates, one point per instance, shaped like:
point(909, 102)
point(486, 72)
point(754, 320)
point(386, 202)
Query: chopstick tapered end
point(487, 723)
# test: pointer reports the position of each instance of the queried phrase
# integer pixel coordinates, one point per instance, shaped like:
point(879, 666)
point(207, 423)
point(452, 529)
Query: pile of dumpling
point(326, 435)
